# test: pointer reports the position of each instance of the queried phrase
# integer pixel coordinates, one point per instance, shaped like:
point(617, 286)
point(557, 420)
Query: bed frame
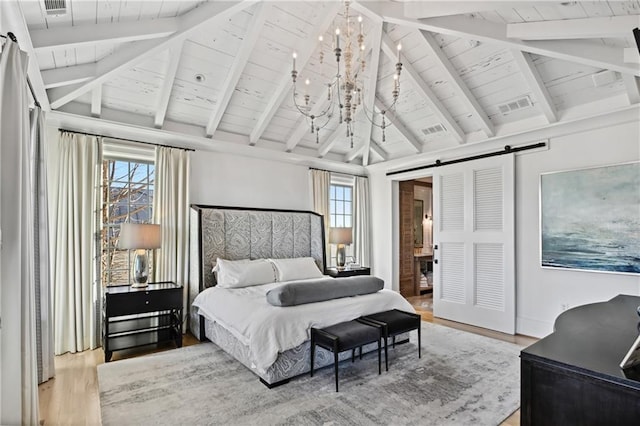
point(240, 233)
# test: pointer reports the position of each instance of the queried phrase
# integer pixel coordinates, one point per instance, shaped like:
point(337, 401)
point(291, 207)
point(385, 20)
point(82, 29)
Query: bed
point(241, 233)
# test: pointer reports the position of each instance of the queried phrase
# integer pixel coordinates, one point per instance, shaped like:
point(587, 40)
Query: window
point(340, 214)
point(127, 196)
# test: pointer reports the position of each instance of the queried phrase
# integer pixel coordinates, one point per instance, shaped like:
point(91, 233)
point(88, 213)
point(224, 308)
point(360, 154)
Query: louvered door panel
point(487, 188)
point(489, 276)
point(453, 280)
point(452, 202)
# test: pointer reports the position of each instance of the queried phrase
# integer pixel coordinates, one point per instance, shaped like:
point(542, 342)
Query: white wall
point(540, 292)
point(230, 180)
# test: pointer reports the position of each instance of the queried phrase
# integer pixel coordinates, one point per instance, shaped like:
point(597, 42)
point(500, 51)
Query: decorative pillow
point(300, 268)
point(244, 273)
point(298, 293)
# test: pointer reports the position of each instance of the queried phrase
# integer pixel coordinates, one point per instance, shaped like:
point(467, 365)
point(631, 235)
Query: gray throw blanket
point(301, 292)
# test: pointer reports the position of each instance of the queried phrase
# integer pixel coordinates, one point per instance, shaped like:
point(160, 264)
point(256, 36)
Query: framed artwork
point(418, 235)
point(590, 219)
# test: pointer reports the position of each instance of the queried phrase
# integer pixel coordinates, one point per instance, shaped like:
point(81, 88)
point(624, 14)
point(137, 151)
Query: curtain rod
point(507, 150)
point(127, 140)
point(11, 36)
point(338, 173)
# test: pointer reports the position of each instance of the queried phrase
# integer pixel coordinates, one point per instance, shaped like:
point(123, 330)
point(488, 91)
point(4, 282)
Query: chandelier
point(345, 89)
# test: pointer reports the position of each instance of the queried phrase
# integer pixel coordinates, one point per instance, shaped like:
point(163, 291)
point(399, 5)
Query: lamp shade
point(340, 236)
point(139, 236)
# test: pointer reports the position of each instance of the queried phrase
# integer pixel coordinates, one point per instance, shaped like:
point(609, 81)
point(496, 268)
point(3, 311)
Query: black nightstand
point(134, 317)
point(337, 273)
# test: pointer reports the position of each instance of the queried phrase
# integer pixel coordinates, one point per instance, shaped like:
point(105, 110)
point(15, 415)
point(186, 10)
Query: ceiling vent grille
point(55, 7)
point(434, 129)
point(511, 106)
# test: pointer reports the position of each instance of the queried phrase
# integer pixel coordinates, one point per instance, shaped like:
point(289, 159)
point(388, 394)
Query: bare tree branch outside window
point(127, 196)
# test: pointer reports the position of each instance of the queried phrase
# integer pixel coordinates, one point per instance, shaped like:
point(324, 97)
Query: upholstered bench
point(344, 336)
point(395, 322)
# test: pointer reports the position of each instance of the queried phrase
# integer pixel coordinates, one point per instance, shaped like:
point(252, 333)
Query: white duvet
point(268, 330)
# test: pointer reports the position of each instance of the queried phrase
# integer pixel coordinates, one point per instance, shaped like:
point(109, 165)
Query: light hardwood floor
point(72, 398)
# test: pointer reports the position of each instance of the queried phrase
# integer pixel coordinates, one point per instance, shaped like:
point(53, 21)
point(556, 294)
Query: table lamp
point(341, 237)
point(139, 237)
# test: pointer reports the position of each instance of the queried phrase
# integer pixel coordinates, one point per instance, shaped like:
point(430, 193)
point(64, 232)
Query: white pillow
point(300, 268)
point(244, 273)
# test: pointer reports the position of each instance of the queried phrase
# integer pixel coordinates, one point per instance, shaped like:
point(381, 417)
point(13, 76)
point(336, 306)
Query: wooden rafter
point(631, 55)
point(578, 51)
point(127, 57)
point(563, 29)
point(96, 101)
point(65, 76)
point(284, 86)
point(631, 84)
point(430, 44)
point(532, 76)
point(377, 149)
point(423, 88)
point(399, 125)
point(331, 140)
point(254, 28)
point(46, 40)
point(174, 53)
point(355, 152)
point(372, 85)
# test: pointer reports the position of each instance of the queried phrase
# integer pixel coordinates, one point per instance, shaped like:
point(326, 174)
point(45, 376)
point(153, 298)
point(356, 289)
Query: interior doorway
point(416, 242)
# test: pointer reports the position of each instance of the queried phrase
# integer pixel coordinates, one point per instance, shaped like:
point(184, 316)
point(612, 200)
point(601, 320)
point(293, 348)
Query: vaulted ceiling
point(221, 71)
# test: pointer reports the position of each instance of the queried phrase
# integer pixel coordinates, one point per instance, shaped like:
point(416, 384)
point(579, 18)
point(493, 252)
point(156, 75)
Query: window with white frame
point(127, 196)
point(340, 213)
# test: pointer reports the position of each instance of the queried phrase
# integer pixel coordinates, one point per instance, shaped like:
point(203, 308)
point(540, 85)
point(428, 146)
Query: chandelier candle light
point(345, 89)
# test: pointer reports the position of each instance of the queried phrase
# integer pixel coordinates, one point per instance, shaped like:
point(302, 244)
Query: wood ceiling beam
point(578, 51)
point(532, 76)
point(96, 101)
point(17, 24)
point(430, 44)
point(354, 153)
point(254, 30)
point(397, 123)
point(76, 36)
point(58, 77)
point(174, 53)
point(563, 29)
point(285, 86)
point(631, 84)
point(431, 9)
point(377, 149)
point(425, 91)
point(328, 143)
point(192, 21)
point(371, 85)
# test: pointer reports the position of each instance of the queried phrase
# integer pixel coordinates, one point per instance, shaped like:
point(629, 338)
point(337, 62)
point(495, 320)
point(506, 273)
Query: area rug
point(461, 379)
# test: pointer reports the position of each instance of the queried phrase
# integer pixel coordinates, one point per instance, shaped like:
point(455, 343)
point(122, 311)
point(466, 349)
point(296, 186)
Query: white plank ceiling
point(471, 70)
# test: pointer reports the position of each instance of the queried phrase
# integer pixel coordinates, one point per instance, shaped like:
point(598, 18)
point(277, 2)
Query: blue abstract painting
point(590, 219)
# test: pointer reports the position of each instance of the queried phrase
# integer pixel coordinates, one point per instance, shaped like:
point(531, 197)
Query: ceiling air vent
point(55, 7)
point(434, 129)
point(509, 107)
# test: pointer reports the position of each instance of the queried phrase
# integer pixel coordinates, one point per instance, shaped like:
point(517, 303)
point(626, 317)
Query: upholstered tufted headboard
point(243, 233)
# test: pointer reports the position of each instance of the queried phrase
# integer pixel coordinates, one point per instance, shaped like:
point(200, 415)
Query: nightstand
point(339, 273)
point(134, 317)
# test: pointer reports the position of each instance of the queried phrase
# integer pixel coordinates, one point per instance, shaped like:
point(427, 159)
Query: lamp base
point(340, 256)
point(139, 285)
point(140, 270)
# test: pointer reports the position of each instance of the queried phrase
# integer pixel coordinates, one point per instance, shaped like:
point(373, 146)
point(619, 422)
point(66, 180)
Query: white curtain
point(320, 185)
point(171, 212)
point(362, 221)
point(18, 366)
point(44, 320)
point(74, 175)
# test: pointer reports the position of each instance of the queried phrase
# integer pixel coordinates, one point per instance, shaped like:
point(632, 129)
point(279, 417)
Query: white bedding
point(268, 330)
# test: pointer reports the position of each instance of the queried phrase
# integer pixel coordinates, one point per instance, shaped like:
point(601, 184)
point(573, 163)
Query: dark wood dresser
point(134, 317)
point(572, 376)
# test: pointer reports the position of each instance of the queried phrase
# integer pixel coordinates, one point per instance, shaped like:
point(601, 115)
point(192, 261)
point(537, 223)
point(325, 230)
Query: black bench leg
point(360, 352)
point(386, 352)
point(313, 351)
point(379, 355)
point(419, 341)
point(335, 361)
point(394, 342)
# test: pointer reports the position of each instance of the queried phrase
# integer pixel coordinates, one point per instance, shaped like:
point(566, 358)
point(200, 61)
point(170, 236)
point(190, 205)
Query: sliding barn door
point(474, 243)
